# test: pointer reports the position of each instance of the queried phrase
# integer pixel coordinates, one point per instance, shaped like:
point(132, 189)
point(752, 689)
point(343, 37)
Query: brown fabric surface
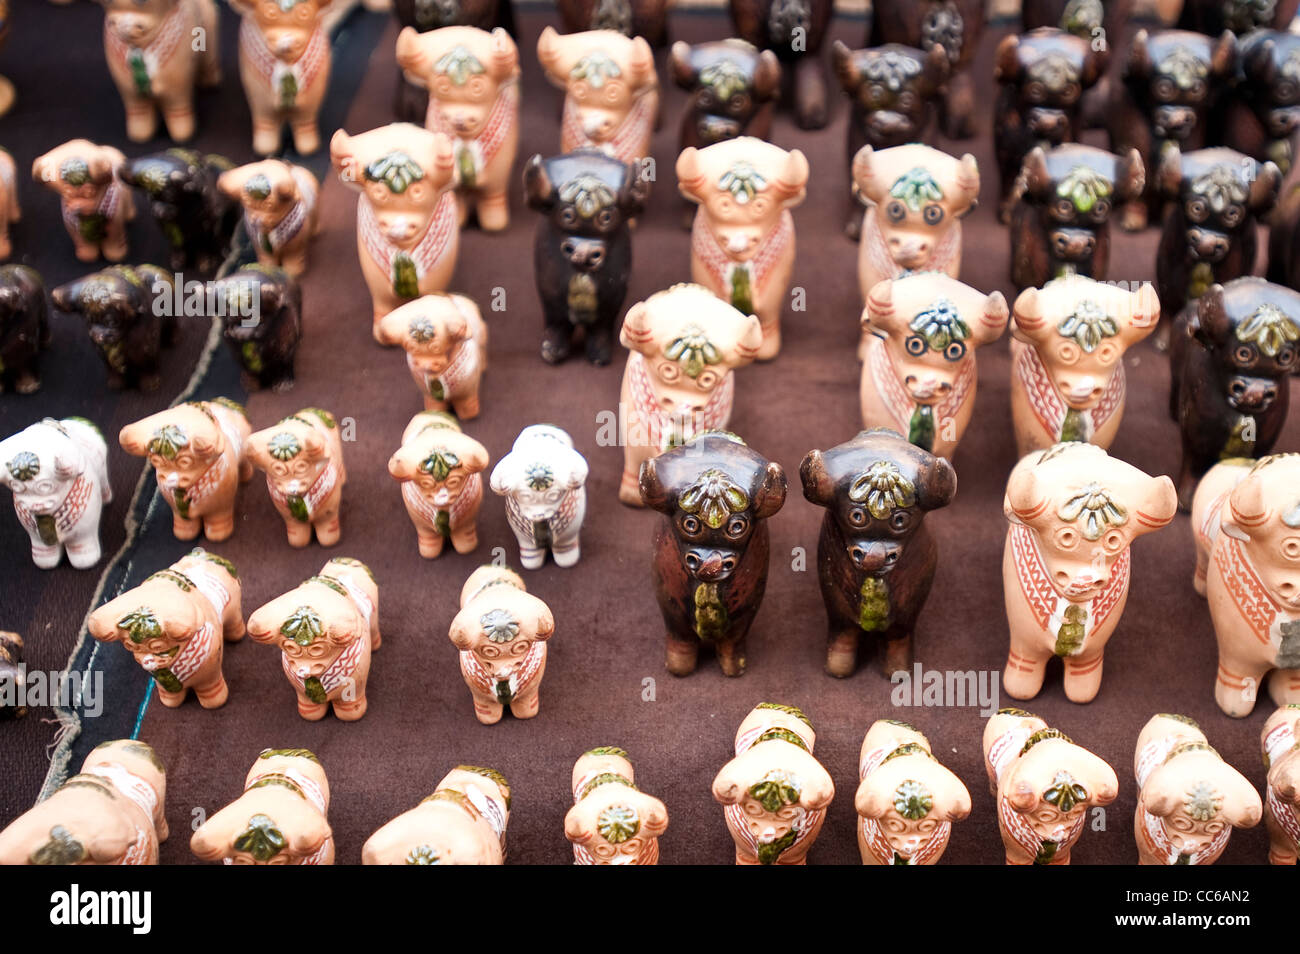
point(609, 637)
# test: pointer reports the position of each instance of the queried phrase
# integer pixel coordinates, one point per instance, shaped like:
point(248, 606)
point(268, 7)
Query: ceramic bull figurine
point(176, 624)
point(1282, 802)
point(412, 101)
point(1043, 75)
point(892, 90)
point(501, 632)
point(1231, 359)
point(24, 328)
point(919, 375)
point(612, 822)
point(1245, 516)
point(731, 90)
point(407, 237)
point(302, 456)
point(12, 675)
point(1212, 17)
point(264, 342)
point(906, 801)
point(684, 344)
point(611, 91)
point(112, 812)
point(439, 469)
point(326, 629)
point(582, 254)
point(284, 62)
point(1189, 798)
point(1209, 236)
point(155, 63)
point(742, 243)
point(280, 819)
point(543, 480)
point(473, 82)
point(96, 207)
point(10, 208)
point(281, 210)
point(1067, 371)
point(794, 30)
point(128, 318)
point(197, 219)
point(445, 340)
point(1264, 114)
point(647, 18)
point(916, 197)
point(1044, 785)
point(1172, 80)
point(1061, 210)
point(58, 473)
point(1073, 512)
point(710, 551)
point(462, 823)
point(199, 453)
point(875, 555)
point(774, 793)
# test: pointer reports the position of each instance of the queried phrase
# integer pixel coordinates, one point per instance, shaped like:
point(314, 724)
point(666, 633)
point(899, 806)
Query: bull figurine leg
point(731, 657)
point(1083, 676)
point(842, 650)
point(681, 656)
point(1236, 685)
point(1283, 684)
point(1026, 669)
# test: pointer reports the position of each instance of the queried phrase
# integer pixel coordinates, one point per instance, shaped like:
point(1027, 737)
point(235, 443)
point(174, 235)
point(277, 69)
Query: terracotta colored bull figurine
point(462, 823)
point(1067, 370)
point(281, 819)
point(501, 632)
point(302, 456)
point(875, 555)
point(1073, 511)
point(1044, 785)
point(412, 102)
point(919, 374)
point(439, 469)
point(445, 340)
point(612, 822)
point(95, 205)
point(281, 210)
point(198, 451)
point(1189, 798)
point(1282, 804)
point(176, 623)
point(684, 343)
point(109, 813)
point(742, 244)
point(473, 82)
point(326, 629)
point(774, 793)
point(543, 480)
point(906, 801)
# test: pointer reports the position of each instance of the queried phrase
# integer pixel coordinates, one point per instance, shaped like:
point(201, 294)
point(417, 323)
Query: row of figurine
point(1073, 511)
point(774, 793)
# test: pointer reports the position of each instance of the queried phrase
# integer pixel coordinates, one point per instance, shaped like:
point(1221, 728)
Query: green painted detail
point(492, 774)
point(1203, 802)
point(258, 187)
point(607, 750)
point(261, 839)
point(916, 187)
point(710, 613)
point(1094, 505)
point(1185, 720)
point(465, 168)
point(168, 441)
point(1074, 427)
point(913, 800)
point(167, 680)
point(422, 855)
point(617, 823)
point(775, 790)
point(780, 734)
point(597, 68)
point(250, 353)
point(440, 463)
point(883, 488)
point(713, 498)
point(284, 445)
point(314, 691)
point(304, 626)
point(940, 325)
point(24, 466)
point(1184, 67)
point(174, 577)
point(321, 415)
point(288, 90)
point(743, 181)
point(75, 172)
point(692, 350)
point(229, 405)
point(181, 500)
point(92, 227)
point(1088, 325)
point(588, 194)
point(280, 780)
point(1013, 711)
point(139, 73)
point(354, 562)
point(1046, 852)
point(458, 64)
point(297, 504)
point(788, 710)
point(770, 852)
point(920, 429)
point(421, 329)
point(141, 625)
point(289, 753)
point(908, 748)
point(1069, 638)
point(1269, 328)
point(1201, 278)
point(1236, 445)
point(47, 528)
point(726, 78)
point(1042, 735)
point(220, 561)
point(539, 476)
point(62, 848)
point(331, 583)
point(396, 170)
point(505, 695)
point(1082, 18)
point(581, 298)
point(873, 605)
point(499, 625)
point(174, 234)
point(1084, 187)
point(742, 289)
point(1065, 793)
point(442, 523)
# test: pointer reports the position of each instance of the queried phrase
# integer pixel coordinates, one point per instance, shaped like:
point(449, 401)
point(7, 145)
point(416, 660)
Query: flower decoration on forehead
point(618, 823)
point(283, 445)
point(1084, 187)
point(1220, 187)
point(304, 626)
point(152, 176)
point(743, 181)
point(440, 463)
point(883, 488)
point(539, 476)
point(776, 789)
point(1065, 793)
point(61, 849)
point(422, 329)
point(396, 170)
point(916, 187)
point(1241, 16)
point(1081, 17)
point(1184, 67)
point(1088, 325)
point(1290, 67)
point(258, 187)
point(588, 194)
point(1268, 328)
point(891, 69)
point(913, 800)
point(597, 68)
point(1094, 504)
point(693, 351)
point(24, 466)
point(141, 625)
point(168, 441)
point(499, 626)
point(261, 839)
point(422, 855)
point(725, 78)
point(74, 172)
point(1053, 71)
point(1203, 802)
point(713, 497)
point(458, 64)
point(940, 325)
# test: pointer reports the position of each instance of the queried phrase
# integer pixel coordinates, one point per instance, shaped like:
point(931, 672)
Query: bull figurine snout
point(1052, 125)
point(875, 556)
point(1251, 394)
point(1174, 122)
point(710, 565)
point(1073, 245)
point(1207, 245)
point(584, 254)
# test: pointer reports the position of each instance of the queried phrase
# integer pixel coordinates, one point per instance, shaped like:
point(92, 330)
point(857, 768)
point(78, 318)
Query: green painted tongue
point(1046, 852)
point(921, 429)
point(442, 523)
point(406, 282)
point(288, 91)
point(873, 605)
point(314, 690)
point(139, 73)
point(465, 167)
point(436, 390)
point(298, 508)
point(769, 853)
point(1074, 428)
point(710, 613)
point(742, 295)
point(1070, 636)
point(167, 680)
point(47, 528)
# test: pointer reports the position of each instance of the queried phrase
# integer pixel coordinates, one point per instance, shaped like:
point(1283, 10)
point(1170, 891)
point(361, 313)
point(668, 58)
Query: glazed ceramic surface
point(1282, 794)
point(439, 469)
point(264, 341)
point(302, 457)
point(612, 822)
point(24, 328)
point(730, 88)
point(94, 204)
point(543, 480)
point(281, 210)
point(445, 340)
point(197, 219)
point(462, 823)
point(794, 30)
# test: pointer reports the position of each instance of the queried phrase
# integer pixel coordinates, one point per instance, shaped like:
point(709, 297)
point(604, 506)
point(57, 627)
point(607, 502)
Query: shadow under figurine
point(794, 31)
point(582, 255)
point(1231, 357)
point(262, 323)
point(24, 328)
point(197, 219)
point(411, 102)
point(710, 553)
point(875, 556)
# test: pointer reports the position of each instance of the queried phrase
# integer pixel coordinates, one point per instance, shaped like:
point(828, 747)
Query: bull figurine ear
point(636, 334)
point(767, 77)
point(505, 55)
point(936, 67)
point(1169, 173)
point(539, 191)
point(68, 297)
point(574, 828)
point(577, 470)
point(636, 189)
point(314, 445)
point(1264, 187)
point(545, 622)
point(846, 69)
point(460, 634)
point(548, 54)
point(412, 56)
point(1006, 61)
point(1034, 177)
point(937, 484)
point(770, 495)
point(1213, 326)
point(1223, 60)
point(817, 484)
point(1247, 509)
point(683, 73)
point(1130, 176)
point(343, 159)
point(653, 492)
point(690, 180)
point(1139, 56)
